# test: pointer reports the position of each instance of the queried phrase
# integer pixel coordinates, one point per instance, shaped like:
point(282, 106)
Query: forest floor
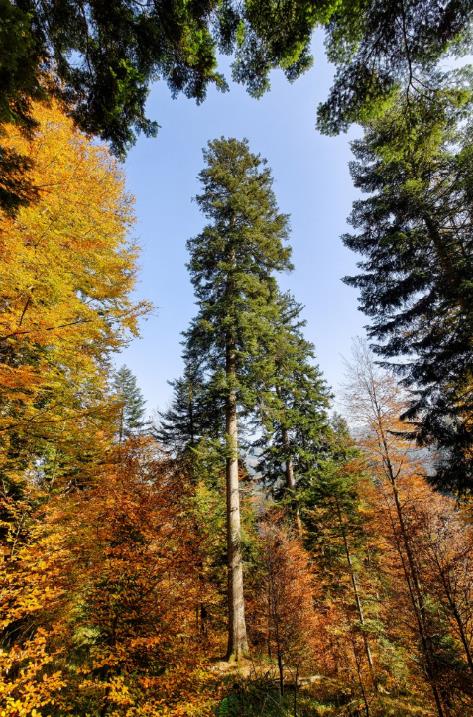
point(250, 688)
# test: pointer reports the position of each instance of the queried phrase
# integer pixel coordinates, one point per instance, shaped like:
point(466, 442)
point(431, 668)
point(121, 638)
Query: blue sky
point(312, 184)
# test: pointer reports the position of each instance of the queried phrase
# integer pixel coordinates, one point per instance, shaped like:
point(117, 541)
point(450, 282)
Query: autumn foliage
point(114, 555)
point(101, 602)
point(66, 273)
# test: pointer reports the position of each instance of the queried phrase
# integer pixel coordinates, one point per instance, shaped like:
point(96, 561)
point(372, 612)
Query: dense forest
point(246, 550)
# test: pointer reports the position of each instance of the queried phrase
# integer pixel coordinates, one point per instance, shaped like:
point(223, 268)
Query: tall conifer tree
point(232, 265)
point(414, 231)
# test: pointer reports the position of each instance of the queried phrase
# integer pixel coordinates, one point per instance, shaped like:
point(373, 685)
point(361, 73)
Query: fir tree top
point(132, 410)
point(233, 261)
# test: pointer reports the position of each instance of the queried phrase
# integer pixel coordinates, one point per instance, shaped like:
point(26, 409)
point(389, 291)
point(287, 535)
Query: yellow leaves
point(31, 581)
point(32, 686)
point(119, 693)
point(15, 708)
point(66, 273)
point(115, 689)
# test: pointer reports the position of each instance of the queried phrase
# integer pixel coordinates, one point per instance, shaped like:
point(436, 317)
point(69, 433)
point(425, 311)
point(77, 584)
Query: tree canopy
point(101, 60)
point(380, 48)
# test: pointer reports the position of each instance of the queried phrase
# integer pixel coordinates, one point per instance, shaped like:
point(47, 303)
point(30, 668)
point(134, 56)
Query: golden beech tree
point(66, 272)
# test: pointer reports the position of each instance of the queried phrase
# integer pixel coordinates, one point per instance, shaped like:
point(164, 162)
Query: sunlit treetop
point(380, 47)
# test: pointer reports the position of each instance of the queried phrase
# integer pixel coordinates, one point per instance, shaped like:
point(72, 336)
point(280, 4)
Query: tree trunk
point(359, 606)
point(412, 577)
point(360, 680)
point(281, 674)
point(291, 481)
point(237, 640)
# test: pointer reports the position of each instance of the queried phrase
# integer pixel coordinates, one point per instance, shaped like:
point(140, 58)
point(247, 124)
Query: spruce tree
point(131, 419)
point(232, 265)
point(414, 232)
point(335, 534)
point(294, 412)
point(177, 429)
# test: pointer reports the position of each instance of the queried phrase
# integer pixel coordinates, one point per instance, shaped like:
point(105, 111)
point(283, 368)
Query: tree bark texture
point(237, 639)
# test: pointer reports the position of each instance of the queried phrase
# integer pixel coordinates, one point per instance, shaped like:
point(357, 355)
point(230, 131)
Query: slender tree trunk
point(359, 606)
point(418, 600)
point(270, 622)
point(237, 639)
point(296, 690)
point(274, 617)
point(360, 680)
point(463, 636)
point(278, 645)
point(281, 674)
point(412, 577)
point(291, 480)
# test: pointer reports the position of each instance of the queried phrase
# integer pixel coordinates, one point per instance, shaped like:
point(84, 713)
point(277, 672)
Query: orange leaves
point(285, 617)
point(108, 586)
